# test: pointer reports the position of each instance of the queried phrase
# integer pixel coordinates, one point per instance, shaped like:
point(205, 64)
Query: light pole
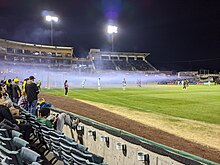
point(51, 19)
point(111, 30)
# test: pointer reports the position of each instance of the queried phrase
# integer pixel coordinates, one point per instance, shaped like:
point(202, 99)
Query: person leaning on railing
point(55, 121)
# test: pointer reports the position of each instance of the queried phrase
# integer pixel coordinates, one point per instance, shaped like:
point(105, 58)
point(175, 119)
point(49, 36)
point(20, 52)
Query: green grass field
point(200, 103)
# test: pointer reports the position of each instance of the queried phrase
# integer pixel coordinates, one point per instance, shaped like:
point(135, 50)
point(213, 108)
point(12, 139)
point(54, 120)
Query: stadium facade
point(12, 52)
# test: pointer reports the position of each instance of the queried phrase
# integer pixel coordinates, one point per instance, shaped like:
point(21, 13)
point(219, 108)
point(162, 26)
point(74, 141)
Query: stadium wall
point(120, 147)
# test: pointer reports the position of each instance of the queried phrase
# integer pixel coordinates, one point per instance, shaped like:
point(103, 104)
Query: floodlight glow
point(55, 19)
point(48, 18)
point(112, 29)
point(51, 18)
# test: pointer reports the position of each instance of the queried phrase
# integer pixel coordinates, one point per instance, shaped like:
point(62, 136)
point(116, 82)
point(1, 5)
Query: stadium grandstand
point(88, 142)
point(12, 52)
point(120, 61)
point(27, 54)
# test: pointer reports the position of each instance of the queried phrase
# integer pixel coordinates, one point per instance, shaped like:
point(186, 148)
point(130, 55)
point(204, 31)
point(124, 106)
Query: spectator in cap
point(32, 92)
point(16, 91)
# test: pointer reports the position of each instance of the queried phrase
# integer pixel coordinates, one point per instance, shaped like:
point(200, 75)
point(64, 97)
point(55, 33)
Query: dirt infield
point(132, 126)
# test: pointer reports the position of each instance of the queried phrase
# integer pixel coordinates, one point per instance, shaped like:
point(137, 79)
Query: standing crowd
point(14, 96)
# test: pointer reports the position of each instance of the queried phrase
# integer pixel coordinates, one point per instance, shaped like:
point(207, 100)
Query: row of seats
point(129, 65)
point(63, 148)
point(123, 65)
point(15, 150)
point(140, 65)
point(104, 65)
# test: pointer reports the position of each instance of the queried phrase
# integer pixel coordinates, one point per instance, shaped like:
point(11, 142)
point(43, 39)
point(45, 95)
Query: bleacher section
point(123, 65)
point(122, 61)
point(42, 56)
point(15, 150)
point(63, 148)
point(52, 147)
point(140, 64)
point(104, 65)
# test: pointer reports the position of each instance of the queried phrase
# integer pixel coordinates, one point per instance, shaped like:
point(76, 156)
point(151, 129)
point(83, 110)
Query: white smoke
point(54, 78)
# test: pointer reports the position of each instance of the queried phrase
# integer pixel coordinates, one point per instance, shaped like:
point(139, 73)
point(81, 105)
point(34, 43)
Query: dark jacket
point(32, 91)
point(9, 90)
point(16, 89)
point(6, 114)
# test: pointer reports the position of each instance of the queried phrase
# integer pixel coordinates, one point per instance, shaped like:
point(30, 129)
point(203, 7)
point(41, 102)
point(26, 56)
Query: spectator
point(43, 103)
point(24, 83)
point(5, 100)
point(9, 88)
point(56, 122)
point(38, 84)
point(43, 114)
point(32, 92)
point(16, 91)
point(23, 103)
point(5, 113)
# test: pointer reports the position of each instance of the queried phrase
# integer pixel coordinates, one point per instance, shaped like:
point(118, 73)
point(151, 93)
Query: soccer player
point(124, 84)
point(66, 86)
point(83, 83)
point(184, 84)
point(99, 84)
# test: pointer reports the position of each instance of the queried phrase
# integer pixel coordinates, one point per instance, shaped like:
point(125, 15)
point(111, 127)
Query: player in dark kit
point(184, 84)
point(66, 86)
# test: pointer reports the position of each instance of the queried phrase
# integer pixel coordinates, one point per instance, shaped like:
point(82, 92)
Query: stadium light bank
point(112, 30)
point(51, 19)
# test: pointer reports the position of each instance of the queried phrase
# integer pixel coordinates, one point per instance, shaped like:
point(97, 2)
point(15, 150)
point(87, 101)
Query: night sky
point(179, 34)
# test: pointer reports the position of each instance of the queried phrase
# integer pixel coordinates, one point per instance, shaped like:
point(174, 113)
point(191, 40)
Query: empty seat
point(78, 160)
point(16, 134)
point(4, 133)
point(7, 143)
point(19, 143)
point(28, 156)
point(13, 156)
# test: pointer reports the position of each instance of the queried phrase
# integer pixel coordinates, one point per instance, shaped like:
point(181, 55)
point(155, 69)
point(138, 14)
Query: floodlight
point(112, 29)
point(48, 18)
point(55, 19)
point(51, 18)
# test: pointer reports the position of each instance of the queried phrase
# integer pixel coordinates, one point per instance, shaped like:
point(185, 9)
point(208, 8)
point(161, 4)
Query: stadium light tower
point(51, 19)
point(112, 30)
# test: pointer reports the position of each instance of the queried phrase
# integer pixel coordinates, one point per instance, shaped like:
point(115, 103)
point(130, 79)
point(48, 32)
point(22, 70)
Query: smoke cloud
point(54, 78)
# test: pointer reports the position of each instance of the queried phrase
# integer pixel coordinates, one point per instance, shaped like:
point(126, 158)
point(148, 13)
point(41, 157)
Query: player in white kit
point(99, 84)
point(124, 84)
point(83, 83)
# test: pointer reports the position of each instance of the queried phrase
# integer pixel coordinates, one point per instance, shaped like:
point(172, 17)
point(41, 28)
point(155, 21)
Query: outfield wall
point(119, 147)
